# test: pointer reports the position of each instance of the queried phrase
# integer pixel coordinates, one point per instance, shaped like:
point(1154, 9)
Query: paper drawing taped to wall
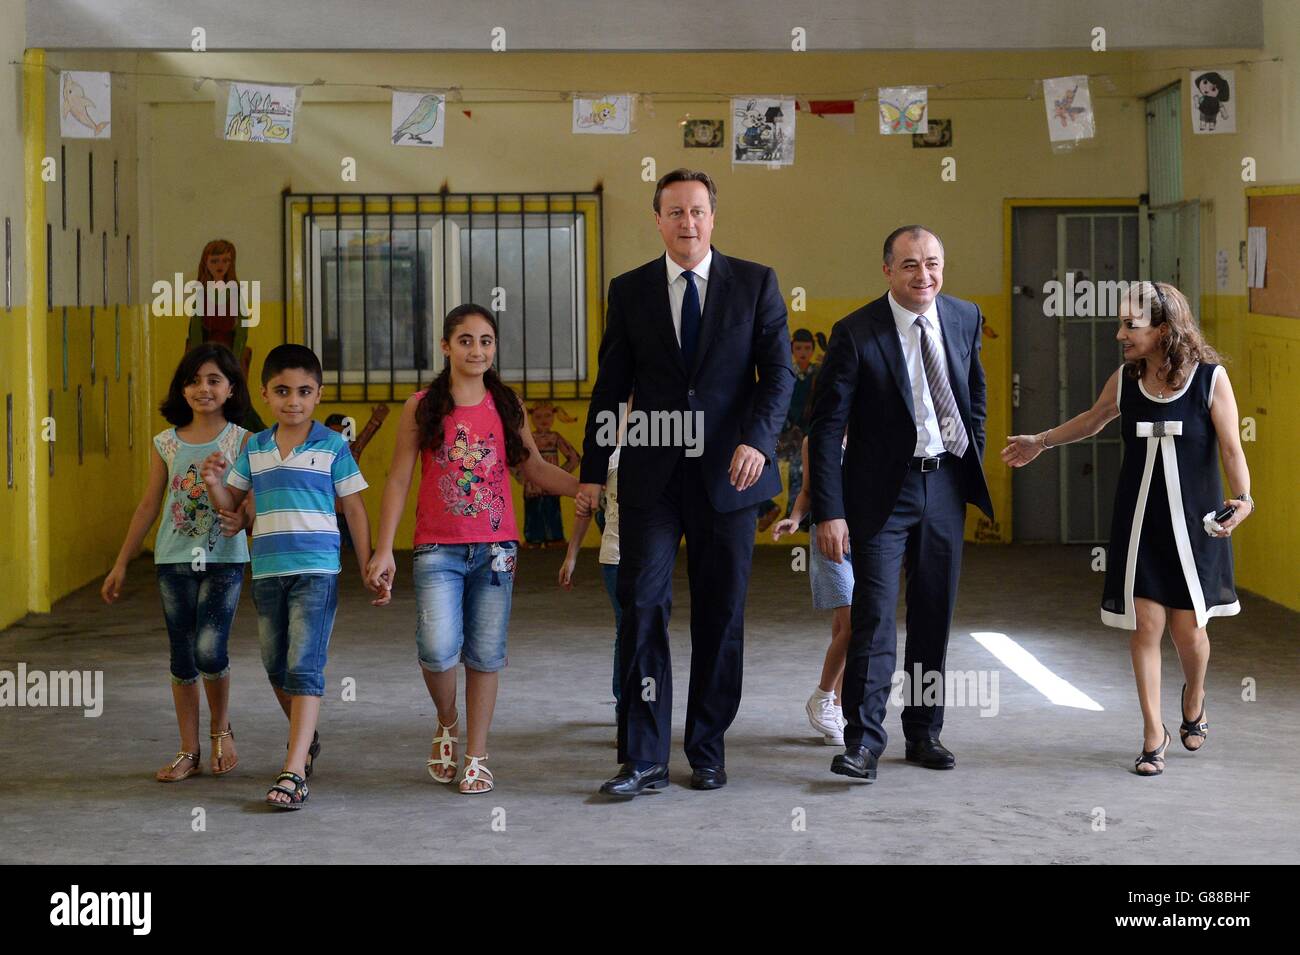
point(903, 110)
point(1069, 109)
point(261, 114)
point(418, 119)
point(603, 114)
point(1212, 108)
point(85, 105)
point(763, 133)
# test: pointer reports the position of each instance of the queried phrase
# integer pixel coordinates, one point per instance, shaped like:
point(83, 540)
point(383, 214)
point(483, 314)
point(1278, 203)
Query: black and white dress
point(1168, 481)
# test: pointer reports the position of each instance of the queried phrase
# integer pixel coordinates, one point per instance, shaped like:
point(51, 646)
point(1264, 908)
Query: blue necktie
point(690, 319)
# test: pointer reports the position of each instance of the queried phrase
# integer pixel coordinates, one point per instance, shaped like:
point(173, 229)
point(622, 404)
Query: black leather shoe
point(856, 761)
point(709, 777)
point(629, 782)
point(931, 754)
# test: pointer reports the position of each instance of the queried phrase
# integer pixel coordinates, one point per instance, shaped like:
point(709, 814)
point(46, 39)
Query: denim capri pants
point(199, 607)
point(295, 616)
point(462, 593)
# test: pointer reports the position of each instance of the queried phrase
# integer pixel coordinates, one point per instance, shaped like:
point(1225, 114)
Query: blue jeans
point(610, 573)
point(295, 616)
point(199, 607)
point(462, 593)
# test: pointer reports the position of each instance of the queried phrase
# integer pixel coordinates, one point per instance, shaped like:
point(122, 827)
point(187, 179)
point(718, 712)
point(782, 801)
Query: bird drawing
point(422, 119)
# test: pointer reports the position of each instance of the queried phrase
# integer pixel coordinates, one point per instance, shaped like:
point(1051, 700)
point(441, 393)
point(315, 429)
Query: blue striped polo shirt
point(295, 531)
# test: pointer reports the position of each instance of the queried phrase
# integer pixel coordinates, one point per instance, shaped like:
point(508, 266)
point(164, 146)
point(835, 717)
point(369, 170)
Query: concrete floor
point(1026, 789)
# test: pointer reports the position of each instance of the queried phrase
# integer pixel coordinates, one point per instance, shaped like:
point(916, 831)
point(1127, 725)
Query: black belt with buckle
point(925, 465)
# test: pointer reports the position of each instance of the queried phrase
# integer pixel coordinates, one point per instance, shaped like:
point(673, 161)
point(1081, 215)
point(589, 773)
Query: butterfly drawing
point(1065, 110)
point(908, 118)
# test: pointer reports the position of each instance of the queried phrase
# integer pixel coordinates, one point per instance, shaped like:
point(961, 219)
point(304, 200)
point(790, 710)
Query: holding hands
point(379, 576)
point(587, 501)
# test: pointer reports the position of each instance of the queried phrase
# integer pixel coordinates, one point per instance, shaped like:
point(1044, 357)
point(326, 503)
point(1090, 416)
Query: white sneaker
point(826, 718)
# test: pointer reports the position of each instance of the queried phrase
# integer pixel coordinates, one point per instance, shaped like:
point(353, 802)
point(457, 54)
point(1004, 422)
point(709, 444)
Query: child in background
point(608, 555)
point(225, 326)
point(336, 422)
point(296, 469)
point(608, 545)
point(832, 589)
point(200, 569)
point(467, 431)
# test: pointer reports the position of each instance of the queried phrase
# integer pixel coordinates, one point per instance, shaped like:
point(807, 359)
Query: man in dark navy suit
point(903, 374)
point(701, 338)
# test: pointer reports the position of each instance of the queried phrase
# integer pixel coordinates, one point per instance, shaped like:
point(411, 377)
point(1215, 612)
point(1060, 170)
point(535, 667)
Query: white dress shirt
point(929, 439)
point(677, 287)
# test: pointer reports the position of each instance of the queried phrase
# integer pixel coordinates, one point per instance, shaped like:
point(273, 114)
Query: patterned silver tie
point(951, 429)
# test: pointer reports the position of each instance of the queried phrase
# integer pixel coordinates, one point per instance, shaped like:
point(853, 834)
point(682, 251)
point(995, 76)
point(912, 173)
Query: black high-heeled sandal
point(1197, 727)
point(1155, 757)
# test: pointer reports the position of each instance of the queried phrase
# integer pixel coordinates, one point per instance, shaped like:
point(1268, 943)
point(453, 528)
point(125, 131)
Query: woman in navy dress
point(1168, 560)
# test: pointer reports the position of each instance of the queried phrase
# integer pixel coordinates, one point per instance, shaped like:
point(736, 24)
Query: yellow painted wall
point(1263, 352)
point(819, 223)
point(63, 530)
point(13, 319)
point(91, 499)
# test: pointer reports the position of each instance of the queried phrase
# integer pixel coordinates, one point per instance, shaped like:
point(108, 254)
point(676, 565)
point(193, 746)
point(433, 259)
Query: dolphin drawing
point(77, 105)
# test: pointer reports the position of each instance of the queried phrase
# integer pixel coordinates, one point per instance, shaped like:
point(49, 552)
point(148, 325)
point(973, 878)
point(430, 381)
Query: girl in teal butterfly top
point(200, 552)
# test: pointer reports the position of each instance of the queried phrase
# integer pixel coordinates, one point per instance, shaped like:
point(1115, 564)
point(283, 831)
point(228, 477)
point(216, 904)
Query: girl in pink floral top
point(467, 430)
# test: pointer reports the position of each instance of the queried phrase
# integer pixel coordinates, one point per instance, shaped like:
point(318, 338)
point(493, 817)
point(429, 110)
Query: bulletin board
point(1280, 215)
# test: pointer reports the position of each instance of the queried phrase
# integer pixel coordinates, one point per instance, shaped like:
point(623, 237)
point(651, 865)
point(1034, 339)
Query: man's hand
point(746, 467)
point(587, 501)
point(833, 539)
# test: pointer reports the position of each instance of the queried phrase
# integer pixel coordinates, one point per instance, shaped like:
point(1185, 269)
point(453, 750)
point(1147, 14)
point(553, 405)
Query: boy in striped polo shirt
point(295, 470)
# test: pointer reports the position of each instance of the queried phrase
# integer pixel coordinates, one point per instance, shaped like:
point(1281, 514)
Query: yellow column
point(30, 362)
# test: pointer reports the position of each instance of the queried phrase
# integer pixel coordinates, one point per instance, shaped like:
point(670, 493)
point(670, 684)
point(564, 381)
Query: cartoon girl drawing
point(1210, 95)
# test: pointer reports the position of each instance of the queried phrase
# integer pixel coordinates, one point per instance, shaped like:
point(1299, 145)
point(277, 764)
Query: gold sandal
point(181, 755)
point(217, 753)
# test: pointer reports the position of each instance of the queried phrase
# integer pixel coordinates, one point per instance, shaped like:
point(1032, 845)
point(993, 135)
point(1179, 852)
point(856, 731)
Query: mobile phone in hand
point(1224, 514)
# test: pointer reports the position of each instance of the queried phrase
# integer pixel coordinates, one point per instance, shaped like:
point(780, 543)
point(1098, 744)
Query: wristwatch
point(1247, 498)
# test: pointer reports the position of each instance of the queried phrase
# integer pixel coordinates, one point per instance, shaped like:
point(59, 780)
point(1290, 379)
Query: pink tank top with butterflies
point(465, 495)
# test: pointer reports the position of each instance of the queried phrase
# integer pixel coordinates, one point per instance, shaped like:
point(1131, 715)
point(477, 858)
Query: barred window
point(373, 276)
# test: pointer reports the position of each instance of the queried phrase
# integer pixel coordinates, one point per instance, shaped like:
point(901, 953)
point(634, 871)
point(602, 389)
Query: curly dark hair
point(437, 402)
point(178, 411)
point(1183, 344)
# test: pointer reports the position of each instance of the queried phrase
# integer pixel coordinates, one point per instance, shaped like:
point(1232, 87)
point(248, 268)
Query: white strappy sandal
point(476, 772)
point(443, 744)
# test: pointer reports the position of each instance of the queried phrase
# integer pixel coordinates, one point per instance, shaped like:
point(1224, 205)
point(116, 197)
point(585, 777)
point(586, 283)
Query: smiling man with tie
point(903, 373)
point(693, 332)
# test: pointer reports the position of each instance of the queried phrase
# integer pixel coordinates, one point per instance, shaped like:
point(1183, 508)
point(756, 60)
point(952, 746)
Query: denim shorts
point(295, 616)
point(832, 583)
point(462, 593)
point(199, 607)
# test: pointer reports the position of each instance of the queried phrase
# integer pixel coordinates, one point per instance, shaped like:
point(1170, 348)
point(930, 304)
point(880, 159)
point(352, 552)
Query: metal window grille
point(372, 275)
